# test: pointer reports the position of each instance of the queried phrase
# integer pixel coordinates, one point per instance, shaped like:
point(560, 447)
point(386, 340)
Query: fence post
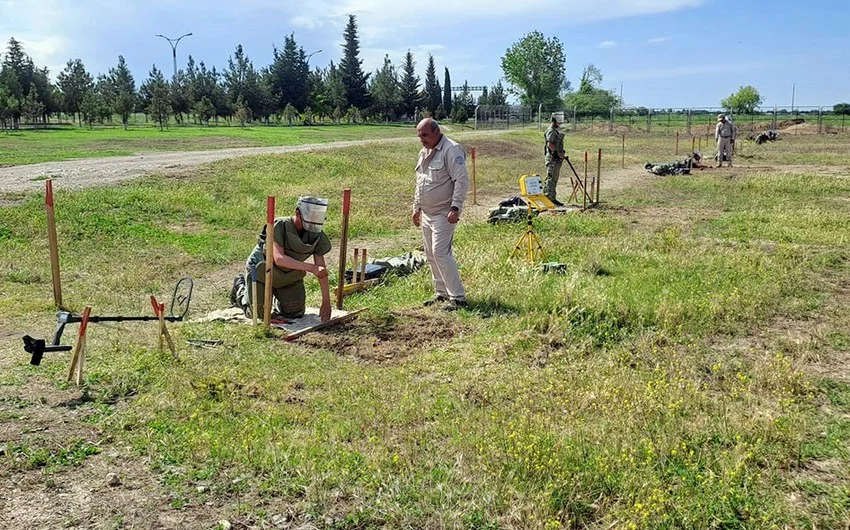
point(611, 123)
point(820, 120)
point(689, 121)
point(540, 116)
point(575, 125)
point(774, 118)
point(475, 119)
point(649, 121)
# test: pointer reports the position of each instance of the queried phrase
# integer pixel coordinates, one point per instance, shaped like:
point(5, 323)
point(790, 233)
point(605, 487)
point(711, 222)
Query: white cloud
point(377, 19)
point(659, 40)
point(608, 44)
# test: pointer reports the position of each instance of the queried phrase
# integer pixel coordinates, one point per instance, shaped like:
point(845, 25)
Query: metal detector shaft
point(63, 317)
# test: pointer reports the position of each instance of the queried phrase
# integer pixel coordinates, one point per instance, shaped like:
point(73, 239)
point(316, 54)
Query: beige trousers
point(724, 145)
point(437, 236)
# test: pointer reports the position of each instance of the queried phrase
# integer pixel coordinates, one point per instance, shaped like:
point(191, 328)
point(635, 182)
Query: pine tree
point(484, 98)
point(156, 87)
point(411, 98)
point(123, 90)
point(290, 74)
point(74, 82)
point(351, 69)
point(32, 108)
point(385, 91)
point(433, 98)
point(447, 94)
point(498, 95)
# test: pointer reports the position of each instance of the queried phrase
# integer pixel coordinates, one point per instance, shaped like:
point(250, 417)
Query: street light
point(173, 43)
point(307, 60)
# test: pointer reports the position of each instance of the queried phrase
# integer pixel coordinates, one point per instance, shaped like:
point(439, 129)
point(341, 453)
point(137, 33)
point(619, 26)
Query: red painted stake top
point(48, 194)
point(270, 210)
point(84, 323)
point(473, 153)
point(156, 306)
point(346, 200)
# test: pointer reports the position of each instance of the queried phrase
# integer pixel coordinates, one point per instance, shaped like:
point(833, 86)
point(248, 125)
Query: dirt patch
point(390, 337)
point(504, 148)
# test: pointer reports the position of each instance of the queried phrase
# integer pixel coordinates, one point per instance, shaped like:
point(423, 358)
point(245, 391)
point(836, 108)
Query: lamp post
point(173, 43)
point(307, 60)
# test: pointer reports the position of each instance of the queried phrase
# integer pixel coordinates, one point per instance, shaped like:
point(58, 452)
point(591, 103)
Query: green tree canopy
point(535, 67)
point(842, 109)
point(447, 93)
point(350, 66)
point(411, 97)
point(591, 99)
point(744, 101)
point(433, 97)
point(386, 95)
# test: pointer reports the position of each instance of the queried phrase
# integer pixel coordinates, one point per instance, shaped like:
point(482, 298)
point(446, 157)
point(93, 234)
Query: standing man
point(554, 151)
point(441, 184)
point(724, 134)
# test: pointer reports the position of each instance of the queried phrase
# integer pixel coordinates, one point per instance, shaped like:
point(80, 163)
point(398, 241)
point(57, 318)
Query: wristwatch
point(455, 209)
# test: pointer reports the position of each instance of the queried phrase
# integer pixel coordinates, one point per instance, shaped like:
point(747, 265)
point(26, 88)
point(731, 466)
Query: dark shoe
point(436, 300)
point(454, 305)
point(557, 203)
point(237, 291)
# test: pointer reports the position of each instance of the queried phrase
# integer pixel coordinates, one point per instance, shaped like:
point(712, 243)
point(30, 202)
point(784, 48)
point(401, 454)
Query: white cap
point(313, 211)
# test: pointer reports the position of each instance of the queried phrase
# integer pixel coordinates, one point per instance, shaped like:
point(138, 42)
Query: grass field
point(688, 371)
point(30, 146)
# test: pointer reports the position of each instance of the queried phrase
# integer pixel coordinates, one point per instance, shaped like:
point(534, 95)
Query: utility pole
point(793, 95)
point(174, 43)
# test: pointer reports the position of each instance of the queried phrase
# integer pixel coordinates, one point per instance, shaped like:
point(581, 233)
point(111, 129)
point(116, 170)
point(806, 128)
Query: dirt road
point(87, 172)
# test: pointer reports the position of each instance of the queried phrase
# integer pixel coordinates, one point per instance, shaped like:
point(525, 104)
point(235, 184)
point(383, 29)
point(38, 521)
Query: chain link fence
point(690, 121)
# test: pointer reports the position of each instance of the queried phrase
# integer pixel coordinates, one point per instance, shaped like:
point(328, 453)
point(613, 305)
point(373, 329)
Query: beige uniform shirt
point(724, 129)
point(441, 178)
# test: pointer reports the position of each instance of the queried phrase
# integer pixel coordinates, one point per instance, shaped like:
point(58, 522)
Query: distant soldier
point(724, 134)
point(554, 151)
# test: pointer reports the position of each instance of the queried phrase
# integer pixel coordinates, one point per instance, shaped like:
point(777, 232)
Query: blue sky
point(665, 53)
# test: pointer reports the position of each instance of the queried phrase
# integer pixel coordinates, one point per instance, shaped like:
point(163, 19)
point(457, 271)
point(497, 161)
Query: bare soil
point(392, 337)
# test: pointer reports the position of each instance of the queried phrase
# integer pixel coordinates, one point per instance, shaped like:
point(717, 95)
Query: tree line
point(285, 91)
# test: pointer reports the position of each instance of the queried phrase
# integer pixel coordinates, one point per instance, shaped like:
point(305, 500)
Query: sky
point(660, 53)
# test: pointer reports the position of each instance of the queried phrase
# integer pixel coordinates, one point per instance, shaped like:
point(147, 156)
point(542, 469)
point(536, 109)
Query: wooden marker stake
point(363, 271)
point(159, 312)
point(54, 243)
point(693, 144)
point(584, 196)
point(78, 361)
point(254, 302)
point(356, 267)
point(267, 300)
point(677, 143)
point(624, 151)
point(598, 175)
point(343, 247)
point(474, 186)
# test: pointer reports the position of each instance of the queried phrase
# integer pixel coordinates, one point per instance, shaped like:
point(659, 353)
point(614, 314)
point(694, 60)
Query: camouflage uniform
point(287, 285)
point(553, 161)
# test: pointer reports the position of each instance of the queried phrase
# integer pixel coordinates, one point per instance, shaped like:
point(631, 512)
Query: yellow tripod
point(529, 241)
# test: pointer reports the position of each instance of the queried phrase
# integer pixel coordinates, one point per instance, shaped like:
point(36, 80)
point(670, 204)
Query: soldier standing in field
point(724, 134)
point(554, 151)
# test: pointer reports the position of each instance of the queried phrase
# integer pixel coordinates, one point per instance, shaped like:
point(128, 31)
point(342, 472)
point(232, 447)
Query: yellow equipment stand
point(531, 189)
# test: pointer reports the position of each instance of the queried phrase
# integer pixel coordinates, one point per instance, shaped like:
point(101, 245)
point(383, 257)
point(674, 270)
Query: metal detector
point(180, 299)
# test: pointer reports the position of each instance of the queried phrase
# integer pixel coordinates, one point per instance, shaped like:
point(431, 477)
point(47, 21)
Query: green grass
point(628, 392)
point(30, 146)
